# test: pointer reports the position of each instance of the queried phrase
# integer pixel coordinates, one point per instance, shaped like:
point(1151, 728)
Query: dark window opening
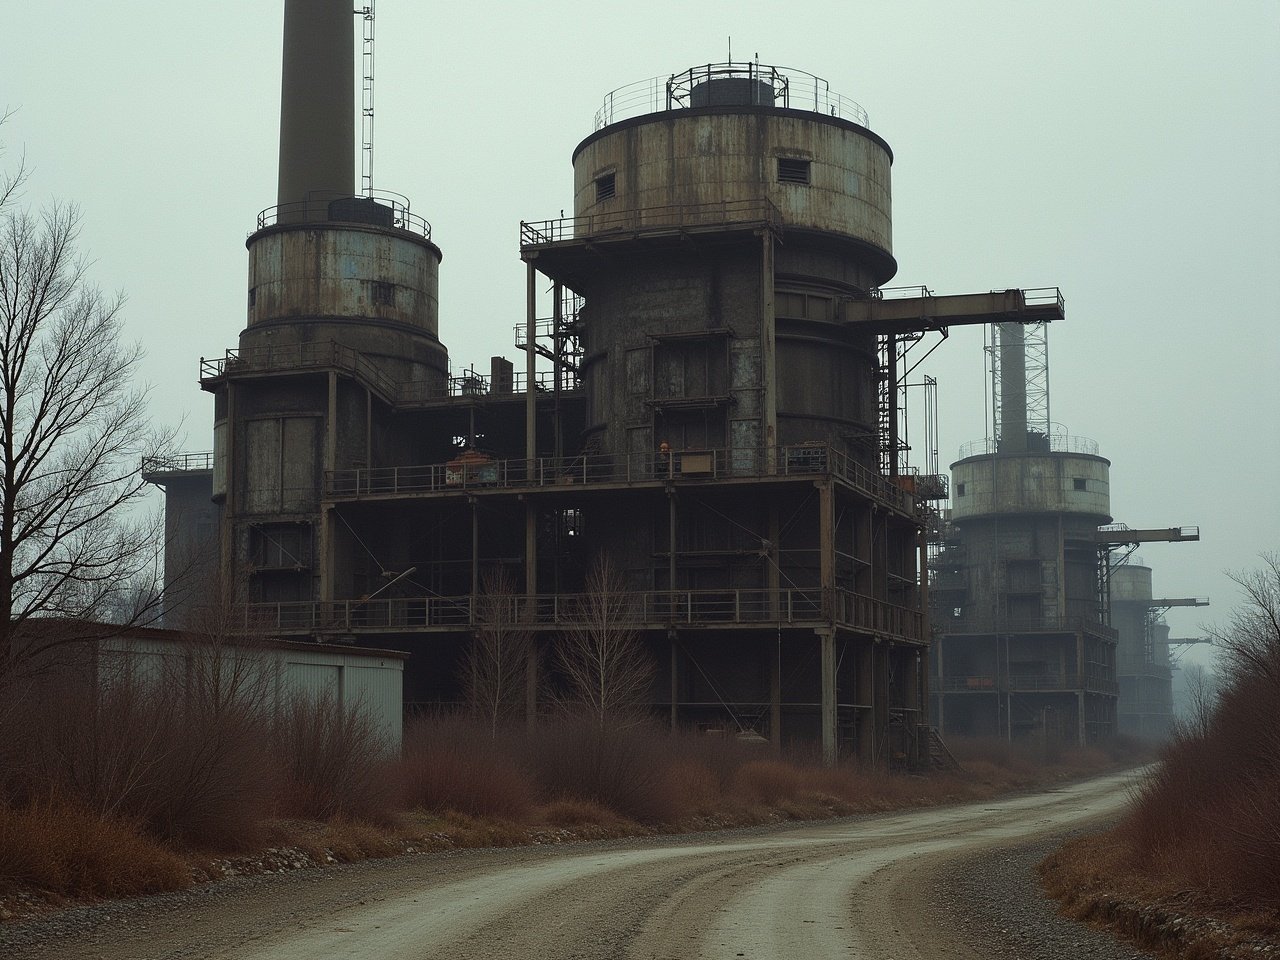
point(384, 293)
point(791, 170)
point(253, 296)
point(959, 489)
point(606, 187)
point(1078, 483)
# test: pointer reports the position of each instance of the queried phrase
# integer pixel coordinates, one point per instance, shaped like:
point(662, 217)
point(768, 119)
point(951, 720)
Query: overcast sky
point(1127, 152)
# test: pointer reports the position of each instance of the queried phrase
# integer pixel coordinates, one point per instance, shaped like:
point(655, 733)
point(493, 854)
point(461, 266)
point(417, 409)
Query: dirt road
point(852, 888)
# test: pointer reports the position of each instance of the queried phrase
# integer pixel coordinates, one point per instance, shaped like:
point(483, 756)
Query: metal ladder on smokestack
point(366, 101)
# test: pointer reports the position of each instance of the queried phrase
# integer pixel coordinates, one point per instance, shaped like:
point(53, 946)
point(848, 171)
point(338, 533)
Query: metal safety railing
point(1041, 683)
point(322, 354)
point(1054, 443)
point(768, 85)
point(798, 460)
point(1005, 625)
point(725, 213)
point(381, 208)
point(177, 463)
point(331, 354)
point(653, 608)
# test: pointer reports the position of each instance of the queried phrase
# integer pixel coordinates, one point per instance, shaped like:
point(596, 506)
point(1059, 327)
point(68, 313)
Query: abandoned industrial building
point(709, 399)
point(1031, 592)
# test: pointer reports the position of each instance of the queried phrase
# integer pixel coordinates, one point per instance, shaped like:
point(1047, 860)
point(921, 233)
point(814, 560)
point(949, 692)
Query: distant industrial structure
point(1029, 576)
point(1145, 663)
point(710, 399)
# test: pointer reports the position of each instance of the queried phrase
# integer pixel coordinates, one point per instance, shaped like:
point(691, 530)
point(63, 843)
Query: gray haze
point(1127, 152)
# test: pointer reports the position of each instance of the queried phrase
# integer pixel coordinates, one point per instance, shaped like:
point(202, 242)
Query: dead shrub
point(348, 841)
point(63, 848)
point(332, 761)
point(769, 781)
point(696, 784)
point(454, 764)
point(148, 750)
point(624, 768)
point(578, 813)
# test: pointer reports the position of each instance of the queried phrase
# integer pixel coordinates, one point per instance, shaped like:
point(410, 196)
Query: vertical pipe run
point(891, 391)
point(557, 319)
point(768, 356)
point(317, 108)
point(328, 551)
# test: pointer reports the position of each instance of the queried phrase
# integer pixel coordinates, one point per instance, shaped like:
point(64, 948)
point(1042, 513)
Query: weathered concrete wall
point(728, 154)
point(191, 521)
point(335, 270)
point(1031, 483)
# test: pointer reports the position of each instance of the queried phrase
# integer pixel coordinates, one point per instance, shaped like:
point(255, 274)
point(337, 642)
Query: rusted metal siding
point(714, 158)
point(343, 271)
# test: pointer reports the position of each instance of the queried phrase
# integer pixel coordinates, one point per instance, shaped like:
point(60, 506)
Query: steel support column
point(827, 641)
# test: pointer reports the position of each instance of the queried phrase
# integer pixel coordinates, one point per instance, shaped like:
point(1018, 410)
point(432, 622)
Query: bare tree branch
point(73, 432)
point(606, 668)
point(495, 663)
point(1250, 640)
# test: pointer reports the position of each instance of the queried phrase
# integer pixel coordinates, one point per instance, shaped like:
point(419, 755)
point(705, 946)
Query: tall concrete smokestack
point(317, 107)
point(1013, 388)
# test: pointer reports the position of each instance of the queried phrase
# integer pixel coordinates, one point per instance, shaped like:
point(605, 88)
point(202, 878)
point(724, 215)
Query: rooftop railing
point(1053, 443)
point(383, 209)
point(716, 464)
point(320, 354)
point(178, 463)
point(558, 611)
point(765, 85)
point(328, 353)
point(725, 213)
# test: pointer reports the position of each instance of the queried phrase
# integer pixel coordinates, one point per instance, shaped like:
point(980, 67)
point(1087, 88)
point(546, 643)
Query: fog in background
point(1126, 152)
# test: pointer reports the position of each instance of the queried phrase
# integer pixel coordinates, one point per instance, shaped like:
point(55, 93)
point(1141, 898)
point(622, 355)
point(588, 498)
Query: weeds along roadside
point(1194, 867)
point(138, 789)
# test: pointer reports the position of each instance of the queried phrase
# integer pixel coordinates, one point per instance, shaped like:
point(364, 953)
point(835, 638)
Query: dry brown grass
point(140, 774)
point(451, 764)
point(1202, 837)
point(64, 849)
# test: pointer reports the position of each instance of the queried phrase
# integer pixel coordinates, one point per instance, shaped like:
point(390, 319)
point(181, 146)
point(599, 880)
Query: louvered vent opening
point(606, 187)
point(791, 170)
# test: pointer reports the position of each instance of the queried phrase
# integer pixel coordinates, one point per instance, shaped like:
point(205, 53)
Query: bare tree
point(1250, 640)
point(1201, 699)
point(495, 664)
point(607, 671)
point(73, 430)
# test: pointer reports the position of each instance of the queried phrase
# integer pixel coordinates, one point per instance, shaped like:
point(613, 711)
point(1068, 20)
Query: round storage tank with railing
point(731, 140)
point(1066, 477)
point(743, 203)
point(359, 271)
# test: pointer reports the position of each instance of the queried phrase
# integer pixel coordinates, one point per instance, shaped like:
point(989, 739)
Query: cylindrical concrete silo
point(342, 308)
point(673, 331)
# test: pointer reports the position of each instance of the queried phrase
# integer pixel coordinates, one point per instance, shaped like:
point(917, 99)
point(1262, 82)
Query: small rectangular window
point(606, 187)
point(791, 170)
point(959, 489)
point(384, 293)
point(1078, 483)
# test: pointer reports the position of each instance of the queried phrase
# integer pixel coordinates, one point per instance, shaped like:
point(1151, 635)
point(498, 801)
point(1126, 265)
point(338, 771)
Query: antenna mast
point(366, 102)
